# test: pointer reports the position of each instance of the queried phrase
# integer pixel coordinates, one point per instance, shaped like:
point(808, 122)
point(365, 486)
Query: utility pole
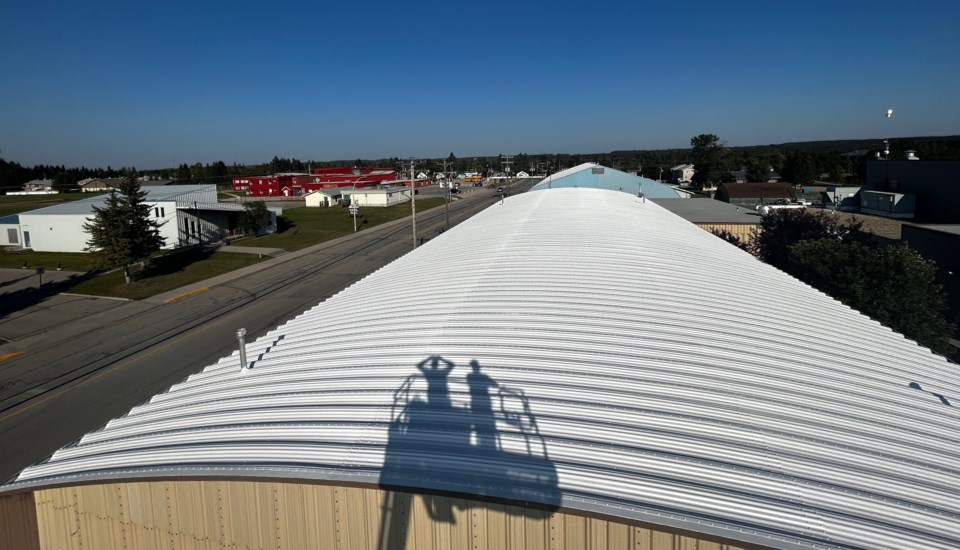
point(446, 202)
point(413, 204)
point(506, 171)
point(506, 164)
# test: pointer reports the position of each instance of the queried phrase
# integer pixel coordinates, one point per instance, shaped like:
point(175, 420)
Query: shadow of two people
point(437, 446)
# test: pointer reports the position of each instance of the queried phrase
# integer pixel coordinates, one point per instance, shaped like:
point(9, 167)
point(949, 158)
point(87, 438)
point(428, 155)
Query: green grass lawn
point(302, 227)
point(47, 260)
point(165, 273)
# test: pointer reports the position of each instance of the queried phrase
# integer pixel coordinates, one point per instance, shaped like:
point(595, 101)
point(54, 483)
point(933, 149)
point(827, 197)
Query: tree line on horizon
point(800, 162)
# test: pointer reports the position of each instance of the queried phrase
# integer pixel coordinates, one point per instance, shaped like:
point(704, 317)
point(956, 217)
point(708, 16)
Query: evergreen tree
point(122, 231)
point(707, 153)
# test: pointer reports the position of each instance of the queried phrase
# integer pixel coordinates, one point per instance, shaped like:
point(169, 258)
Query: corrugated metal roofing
point(85, 206)
point(542, 351)
point(592, 175)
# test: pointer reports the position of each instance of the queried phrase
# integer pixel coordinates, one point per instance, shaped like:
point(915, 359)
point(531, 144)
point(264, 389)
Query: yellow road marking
point(187, 295)
point(107, 370)
point(10, 355)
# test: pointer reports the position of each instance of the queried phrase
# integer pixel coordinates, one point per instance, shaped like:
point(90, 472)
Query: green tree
point(781, 229)
point(707, 155)
point(122, 231)
point(758, 169)
point(800, 168)
point(197, 172)
point(63, 181)
point(254, 217)
point(894, 285)
point(183, 172)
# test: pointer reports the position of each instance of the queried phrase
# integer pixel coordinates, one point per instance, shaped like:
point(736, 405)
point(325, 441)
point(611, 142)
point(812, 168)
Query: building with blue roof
point(594, 176)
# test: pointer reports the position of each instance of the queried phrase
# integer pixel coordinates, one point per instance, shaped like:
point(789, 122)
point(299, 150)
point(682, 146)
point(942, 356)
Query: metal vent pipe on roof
point(243, 347)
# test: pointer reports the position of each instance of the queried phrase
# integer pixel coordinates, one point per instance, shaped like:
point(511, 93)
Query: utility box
point(887, 204)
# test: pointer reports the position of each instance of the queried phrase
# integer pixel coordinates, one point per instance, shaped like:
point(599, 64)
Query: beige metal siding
point(18, 522)
point(743, 231)
point(205, 515)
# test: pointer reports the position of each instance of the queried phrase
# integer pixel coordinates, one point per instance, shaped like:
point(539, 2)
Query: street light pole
point(354, 207)
point(446, 202)
point(413, 204)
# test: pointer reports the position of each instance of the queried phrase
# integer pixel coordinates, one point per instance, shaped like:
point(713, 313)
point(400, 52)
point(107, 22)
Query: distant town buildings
point(38, 185)
point(299, 184)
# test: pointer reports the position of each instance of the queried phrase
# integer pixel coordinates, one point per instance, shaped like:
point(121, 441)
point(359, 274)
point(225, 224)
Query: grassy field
point(164, 273)
point(47, 260)
point(303, 227)
point(14, 204)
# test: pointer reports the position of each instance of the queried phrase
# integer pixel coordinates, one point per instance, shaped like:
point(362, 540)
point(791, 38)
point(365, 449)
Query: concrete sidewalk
point(263, 251)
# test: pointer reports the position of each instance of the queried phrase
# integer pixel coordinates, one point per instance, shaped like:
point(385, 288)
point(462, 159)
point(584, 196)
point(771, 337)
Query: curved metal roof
point(595, 176)
point(586, 349)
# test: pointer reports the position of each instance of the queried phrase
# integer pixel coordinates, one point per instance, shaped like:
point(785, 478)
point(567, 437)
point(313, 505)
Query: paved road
point(73, 379)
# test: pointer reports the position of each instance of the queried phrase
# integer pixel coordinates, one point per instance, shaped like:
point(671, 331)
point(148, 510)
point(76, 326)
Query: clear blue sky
point(118, 83)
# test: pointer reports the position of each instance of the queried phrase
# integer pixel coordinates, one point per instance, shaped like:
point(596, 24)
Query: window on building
point(162, 214)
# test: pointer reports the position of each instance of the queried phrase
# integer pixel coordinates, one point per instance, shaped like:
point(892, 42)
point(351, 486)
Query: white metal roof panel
point(623, 367)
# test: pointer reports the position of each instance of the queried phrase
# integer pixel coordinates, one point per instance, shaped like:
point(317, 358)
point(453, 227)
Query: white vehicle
point(781, 204)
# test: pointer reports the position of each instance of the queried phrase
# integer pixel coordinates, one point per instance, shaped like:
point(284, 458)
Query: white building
point(322, 198)
point(682, 173)
point(38, 185)
point(10, 231)
point(189, 214)
point(376, 197)
point(551, 382)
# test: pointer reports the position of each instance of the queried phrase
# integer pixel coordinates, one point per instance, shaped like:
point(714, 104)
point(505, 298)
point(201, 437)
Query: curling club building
point(582, 369)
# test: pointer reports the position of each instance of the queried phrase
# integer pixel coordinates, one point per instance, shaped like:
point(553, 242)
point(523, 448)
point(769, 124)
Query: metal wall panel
point(249, 515)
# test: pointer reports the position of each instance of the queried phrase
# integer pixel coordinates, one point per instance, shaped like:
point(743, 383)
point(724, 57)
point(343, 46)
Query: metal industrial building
point(595, 176)
point(572, 368)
